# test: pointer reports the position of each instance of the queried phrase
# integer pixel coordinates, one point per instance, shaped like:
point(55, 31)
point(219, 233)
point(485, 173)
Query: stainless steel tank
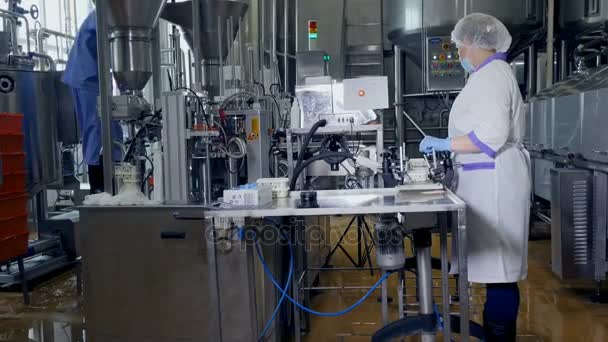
point(409, 23)
point(578, 15)
point(131, 23)
point(34, 95)
point(214, 45)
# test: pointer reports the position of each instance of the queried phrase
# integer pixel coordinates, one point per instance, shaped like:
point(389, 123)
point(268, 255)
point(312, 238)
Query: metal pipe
point(105, 84)
point(27, 26)
point(75, 16)
point(550, 36)
point(230, 42)
point(425, 285)
point(56, 33)
point(532, 70)
point(413, 122)
point(49, 59)
point(177, 50)
point(286, 44)
point(13, 31)
point(190, 68)
point(233, 165)
point(207, 179)
point(399, 129)
point(241, 54)
point(220, 54)
point(157, 82)
point(196, 38)
point(273, 56)
point(251, 65)
point(297, 21)
point(564, 61)
point(262, 42)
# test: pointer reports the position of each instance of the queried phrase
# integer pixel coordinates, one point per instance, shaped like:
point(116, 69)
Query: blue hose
point(302, 307)
point(283, 295)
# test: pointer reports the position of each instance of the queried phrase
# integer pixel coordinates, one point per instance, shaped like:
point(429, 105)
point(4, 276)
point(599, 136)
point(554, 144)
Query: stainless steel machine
point(569, 147)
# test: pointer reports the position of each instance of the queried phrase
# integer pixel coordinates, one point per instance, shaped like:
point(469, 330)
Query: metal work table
point(381, 201)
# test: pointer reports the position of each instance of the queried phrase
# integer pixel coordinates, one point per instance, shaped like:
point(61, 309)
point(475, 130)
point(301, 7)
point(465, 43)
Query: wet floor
point(54, 316)
point(551, 310)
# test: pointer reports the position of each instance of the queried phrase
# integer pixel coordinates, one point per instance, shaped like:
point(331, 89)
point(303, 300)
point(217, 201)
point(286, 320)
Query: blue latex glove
point(429, 144)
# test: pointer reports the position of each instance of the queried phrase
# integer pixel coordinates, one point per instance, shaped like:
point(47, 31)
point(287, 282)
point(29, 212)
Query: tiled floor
point(551, 310)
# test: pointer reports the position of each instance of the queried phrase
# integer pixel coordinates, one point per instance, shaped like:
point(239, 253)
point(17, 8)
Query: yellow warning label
point(255, 129)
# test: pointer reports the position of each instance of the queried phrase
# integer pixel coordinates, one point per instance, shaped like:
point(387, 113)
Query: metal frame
point(288, 207)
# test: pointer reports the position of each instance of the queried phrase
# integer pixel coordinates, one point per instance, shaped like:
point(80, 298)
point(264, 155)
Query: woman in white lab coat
point(485, 134)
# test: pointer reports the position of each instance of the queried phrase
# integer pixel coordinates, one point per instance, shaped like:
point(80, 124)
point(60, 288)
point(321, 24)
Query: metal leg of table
point(463, 279)
point(422, 240)
point(445, 290)
point(385, 319)
point(297, 320)
point(23, 278)
point(401, 293)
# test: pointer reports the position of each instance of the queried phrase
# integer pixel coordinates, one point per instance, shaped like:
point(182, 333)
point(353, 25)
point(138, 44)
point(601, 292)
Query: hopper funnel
point(141, 14)
point(180, 14)
point(131, 23)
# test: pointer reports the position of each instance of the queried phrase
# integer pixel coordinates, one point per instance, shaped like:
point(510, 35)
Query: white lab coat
point(495, 184)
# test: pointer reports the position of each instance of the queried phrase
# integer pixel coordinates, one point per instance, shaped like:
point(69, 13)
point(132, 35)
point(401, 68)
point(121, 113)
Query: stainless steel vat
point(410, 23)
point(34, 95)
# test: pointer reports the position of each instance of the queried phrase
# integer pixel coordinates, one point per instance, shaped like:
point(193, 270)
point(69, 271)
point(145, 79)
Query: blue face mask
point(467, 66)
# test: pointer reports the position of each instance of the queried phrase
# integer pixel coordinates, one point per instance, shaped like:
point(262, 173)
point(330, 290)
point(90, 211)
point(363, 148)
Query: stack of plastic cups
point(13, 197)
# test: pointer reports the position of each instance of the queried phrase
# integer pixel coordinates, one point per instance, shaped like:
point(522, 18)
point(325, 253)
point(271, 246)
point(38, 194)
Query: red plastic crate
point(13, 226)
point(12, 183)
point(11, 123)
point(13, 205)
point(12, 163)
point(11, 143)
point(13, 247)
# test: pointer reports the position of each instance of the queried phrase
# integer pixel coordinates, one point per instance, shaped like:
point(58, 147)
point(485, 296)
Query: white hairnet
point(482, 31)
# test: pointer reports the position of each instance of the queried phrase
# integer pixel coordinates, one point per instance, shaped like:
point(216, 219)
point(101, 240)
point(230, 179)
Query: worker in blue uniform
point(82, 75)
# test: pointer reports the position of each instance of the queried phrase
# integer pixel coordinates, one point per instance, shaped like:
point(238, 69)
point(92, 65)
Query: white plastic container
point(279, 186)
point(248, 197)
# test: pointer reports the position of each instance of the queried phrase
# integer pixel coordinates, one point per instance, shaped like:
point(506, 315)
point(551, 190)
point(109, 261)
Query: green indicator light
point(326, 58)
point(313, 36)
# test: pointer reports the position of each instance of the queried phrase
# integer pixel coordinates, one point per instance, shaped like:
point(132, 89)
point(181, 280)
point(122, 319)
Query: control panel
point(444, 71)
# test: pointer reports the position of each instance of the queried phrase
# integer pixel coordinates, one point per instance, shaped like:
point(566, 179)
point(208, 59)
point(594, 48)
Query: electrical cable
point(311, 311)
point(200, 103)
point(299, 169)
point(240, 144)
point(281, 118)
point(273, 85)
point(236, 96)
point(150, 174)
point(261, 86)
point(170, 80)
point(308, 139)
point(143, 129)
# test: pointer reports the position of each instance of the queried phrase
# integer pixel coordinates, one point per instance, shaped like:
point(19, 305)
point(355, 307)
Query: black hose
point(308, 139)
point(304, 165)
point(200, 103)
point(407, 326)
